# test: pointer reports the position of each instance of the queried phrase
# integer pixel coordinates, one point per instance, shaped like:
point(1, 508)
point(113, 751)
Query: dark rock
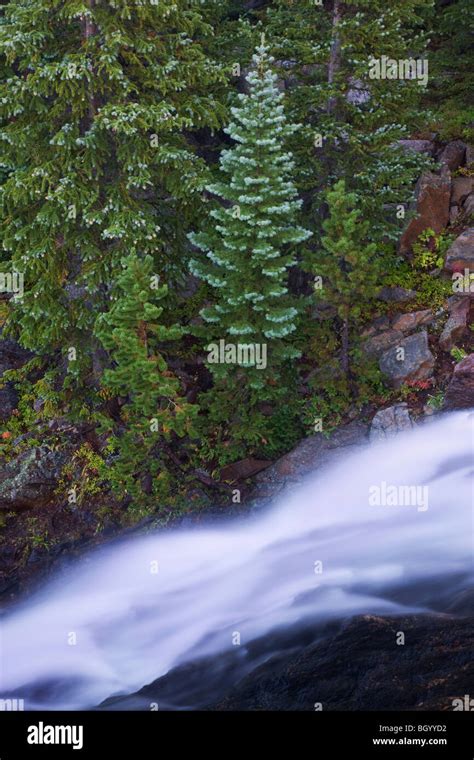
point(460, 255)
point(396, 295)
point(378, 325)
point(389, 422)
point(432, 199)
point(460, 393)
point(468, 206)
point(244, 469)
point(8, 401)
point(417, 146)
point(411, 321)
point(453, 155)
point(456, 324)
point(12, 356)
point(469, 155)
point(414, 362)
point(30, 480)
point(362, 668)
point(351, 665)
point(461, 188)
point(376, 345)
point(312, 454)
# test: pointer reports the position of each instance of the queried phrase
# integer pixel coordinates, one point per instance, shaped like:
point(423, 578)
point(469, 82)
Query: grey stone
point(456, 323)
point(415, 362)
point(460, 255)
point(411, 321)
point(460, 393)
point(396, 294)
point(468, 205)
point(389, 422)
point(461, 187)
point(8, 401)
point(376, 345)
point(417, 146)
point(29, 481)
point(453, 155)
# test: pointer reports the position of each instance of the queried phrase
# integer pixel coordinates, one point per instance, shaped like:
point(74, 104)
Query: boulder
point(313, 454)
point(396, 294)
point(243, 469)
point(460, 255)
point(378, 324)
point(389, 422)
point(460, 393)
point(461, 187)
point(29, 481)
point(432, 199)
point(376, 345)
point(469, 155)
point(411, 360)
point(12, 356)
point(411, 321)
point(456, 323)
point(417, 146)
point(468, 206)
point(453, 214)
point(8, 401)
point(453, 155)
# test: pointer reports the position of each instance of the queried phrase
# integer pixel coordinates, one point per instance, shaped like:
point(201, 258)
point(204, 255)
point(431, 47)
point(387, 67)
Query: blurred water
point(324, 551)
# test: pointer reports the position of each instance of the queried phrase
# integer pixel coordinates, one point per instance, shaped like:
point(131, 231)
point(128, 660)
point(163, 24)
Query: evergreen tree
point(153, 411)
point(351, 121)
point(347, 263)
point(452, 80)
point(97, 108)
point(249, 248)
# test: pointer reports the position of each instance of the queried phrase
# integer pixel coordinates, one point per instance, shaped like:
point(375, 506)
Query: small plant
point(458, 354)
point(436, 400)
point(430, 249)
point(86, 473)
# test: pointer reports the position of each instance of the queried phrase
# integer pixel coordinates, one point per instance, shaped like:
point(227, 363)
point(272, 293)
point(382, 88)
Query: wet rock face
point(362, 668)
point(354, 665)
point(460, 393)
point(29, 481)
point(411, 360)
point(389, 422)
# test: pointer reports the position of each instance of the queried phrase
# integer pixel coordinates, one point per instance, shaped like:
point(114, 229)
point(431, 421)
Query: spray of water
point(338, 545)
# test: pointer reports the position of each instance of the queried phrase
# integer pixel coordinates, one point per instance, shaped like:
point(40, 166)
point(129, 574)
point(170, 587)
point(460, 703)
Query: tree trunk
point(335, 54)
point(345, 344)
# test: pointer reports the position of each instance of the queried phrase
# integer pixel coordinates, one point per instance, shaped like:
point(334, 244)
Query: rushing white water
point(133, 624)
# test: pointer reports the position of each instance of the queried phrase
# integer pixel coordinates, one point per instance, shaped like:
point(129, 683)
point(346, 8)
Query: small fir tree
point(153, 410)
point(347, 263)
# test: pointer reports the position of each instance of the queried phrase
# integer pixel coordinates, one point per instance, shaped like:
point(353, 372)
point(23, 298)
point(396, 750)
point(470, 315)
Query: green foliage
point(452, 80)
point(358, 117)
point(249, 246)
point(97, 110)
point(436, 400)
point(430, 249)
point(347, 263)
point(458, 354)
point(86, 473)
point(153, 410)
